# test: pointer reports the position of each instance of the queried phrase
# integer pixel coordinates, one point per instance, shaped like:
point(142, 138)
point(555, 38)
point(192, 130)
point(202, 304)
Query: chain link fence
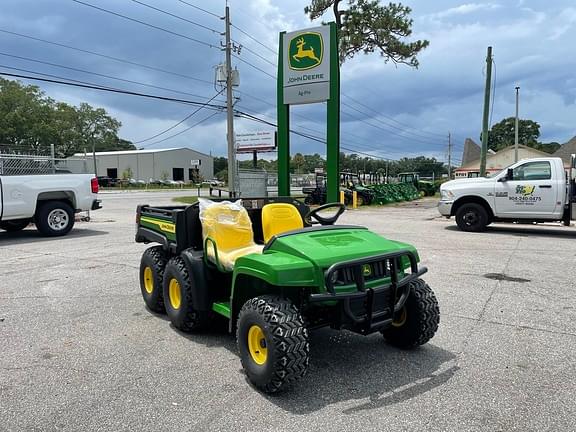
point(13, 164)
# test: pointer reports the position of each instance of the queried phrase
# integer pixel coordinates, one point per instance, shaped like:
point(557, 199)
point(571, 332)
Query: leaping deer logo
point(304, 53)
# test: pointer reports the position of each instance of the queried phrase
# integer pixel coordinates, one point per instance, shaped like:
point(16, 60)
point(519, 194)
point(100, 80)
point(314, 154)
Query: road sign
point(306, 65)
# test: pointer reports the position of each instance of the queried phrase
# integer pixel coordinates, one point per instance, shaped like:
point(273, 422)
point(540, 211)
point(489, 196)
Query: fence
point(12, 164)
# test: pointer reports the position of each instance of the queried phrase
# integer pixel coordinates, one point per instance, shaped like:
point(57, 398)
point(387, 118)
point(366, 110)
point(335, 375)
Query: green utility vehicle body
point(338, 276)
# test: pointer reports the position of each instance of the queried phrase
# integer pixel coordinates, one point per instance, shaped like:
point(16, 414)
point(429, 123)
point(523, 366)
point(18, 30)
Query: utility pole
point(516, 129)
point(230, 110)
point(484, 149)
point(449, 156)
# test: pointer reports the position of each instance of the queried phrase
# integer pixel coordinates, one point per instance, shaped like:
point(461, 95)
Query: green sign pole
point(333, 122)
point(283, 113)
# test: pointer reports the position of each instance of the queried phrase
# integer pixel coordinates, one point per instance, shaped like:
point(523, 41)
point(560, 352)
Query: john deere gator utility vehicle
point(276, 270)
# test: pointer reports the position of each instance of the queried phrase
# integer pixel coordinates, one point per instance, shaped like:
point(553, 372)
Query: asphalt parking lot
point(81, 353)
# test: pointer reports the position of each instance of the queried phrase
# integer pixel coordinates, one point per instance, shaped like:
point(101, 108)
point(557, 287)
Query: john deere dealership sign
point(306, 65)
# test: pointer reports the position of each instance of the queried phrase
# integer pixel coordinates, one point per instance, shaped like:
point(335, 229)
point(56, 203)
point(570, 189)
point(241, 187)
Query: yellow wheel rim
point(175, 294)
point(401, 320)
point(257, 345)
point(148, 280)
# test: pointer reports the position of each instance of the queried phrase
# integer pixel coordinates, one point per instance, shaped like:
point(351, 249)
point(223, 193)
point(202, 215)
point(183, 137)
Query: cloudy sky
point(387, 111)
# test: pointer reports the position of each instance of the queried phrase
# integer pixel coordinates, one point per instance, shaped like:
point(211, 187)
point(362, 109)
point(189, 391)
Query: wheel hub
point(58, 219)
point(257, 345)
point(175, 294)
point(148, 280)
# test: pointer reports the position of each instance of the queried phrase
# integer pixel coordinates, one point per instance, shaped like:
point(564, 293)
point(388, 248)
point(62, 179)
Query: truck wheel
point(418, 321)
point(14, 225)
point(308, 200)
point(178, 299)
point(152, 267)
point(472, 217)
point(273, 343)
point(54, 218)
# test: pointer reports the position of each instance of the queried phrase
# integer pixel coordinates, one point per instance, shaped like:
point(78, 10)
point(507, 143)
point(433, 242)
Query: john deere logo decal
point(525, 190)
point(366, 270)
point(305, 51)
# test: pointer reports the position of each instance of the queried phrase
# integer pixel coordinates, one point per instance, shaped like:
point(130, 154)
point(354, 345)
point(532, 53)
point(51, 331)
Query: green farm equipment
point(349, 183)
point(426, 188)
point(275, 271)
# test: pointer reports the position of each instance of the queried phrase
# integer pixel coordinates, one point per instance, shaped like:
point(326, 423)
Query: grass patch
point(186, 199)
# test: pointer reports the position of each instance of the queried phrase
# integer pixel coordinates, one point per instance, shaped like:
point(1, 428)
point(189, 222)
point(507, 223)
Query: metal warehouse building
point(179, 164)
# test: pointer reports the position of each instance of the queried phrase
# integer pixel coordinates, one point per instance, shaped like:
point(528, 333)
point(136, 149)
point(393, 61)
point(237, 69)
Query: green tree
point(501, 135)
point(367, 26)
point(30, 121)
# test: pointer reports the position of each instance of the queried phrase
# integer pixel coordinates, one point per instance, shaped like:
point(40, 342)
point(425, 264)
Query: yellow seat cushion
point(227, 259)
point(228, 225)
point(278, 218)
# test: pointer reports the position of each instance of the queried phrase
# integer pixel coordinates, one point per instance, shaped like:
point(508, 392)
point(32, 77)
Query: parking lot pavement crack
point(518, 326)
point(480, 319)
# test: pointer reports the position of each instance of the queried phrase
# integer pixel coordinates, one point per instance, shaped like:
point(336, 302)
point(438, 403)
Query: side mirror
point(509, 175)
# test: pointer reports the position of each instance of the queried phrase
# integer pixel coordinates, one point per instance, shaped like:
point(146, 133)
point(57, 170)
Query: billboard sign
point(260, 141)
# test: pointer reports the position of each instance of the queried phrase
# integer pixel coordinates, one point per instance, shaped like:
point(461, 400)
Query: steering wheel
point(313, 214)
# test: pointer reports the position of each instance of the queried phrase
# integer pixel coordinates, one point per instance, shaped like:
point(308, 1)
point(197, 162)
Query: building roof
point(475, 164)
point(471, 151)
point(145, 151)
point(566, 151)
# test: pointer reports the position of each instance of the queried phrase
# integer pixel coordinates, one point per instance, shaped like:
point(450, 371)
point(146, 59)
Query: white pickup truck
point(531, 190)
point(50, 201)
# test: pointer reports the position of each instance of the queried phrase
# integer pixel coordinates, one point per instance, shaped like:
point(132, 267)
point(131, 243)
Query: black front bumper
point(96, 204)
point(371, 309)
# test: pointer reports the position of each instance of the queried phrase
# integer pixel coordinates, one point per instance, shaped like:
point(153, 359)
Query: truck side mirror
point(510, 174)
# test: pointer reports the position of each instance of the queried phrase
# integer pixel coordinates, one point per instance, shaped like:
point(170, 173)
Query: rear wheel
point(54, 218)
point(273, 343)
point(418, 321)
point(14, 225)
point(472, 217)
point(152, 267)
point(178, 289)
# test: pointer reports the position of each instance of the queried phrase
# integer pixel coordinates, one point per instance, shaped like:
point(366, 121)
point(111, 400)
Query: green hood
point(330, 246)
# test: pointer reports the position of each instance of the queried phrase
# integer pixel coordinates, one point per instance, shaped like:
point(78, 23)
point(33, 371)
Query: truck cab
point(531, 190)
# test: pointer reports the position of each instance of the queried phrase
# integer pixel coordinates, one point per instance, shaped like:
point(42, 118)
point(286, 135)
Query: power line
point(390, 118)
point(184, 130)
point(180, 122)
point(106, 56)
point(255, 67)
point(388, 130)
point(176, 16)
point(91, 86)
point(419, 138)
point(97, 74)
point(200, 9)
point(255, 40)
point(256, 54)
point(146, 24)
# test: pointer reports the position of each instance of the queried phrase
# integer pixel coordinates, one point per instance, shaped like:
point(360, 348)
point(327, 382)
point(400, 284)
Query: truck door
point(530, 193)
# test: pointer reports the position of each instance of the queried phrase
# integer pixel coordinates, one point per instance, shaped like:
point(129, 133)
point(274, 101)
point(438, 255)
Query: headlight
point(446, 194)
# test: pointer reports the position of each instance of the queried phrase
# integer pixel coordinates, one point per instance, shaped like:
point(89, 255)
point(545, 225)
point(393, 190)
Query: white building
point(182, 164)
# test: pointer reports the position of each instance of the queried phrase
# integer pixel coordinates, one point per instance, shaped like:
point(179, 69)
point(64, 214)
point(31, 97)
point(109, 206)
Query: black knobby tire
point(54, 218)
point(286, 337)
point(14, 225)
point(420, 318)
point(472, 217)
point(155, 260)
point(184, 317)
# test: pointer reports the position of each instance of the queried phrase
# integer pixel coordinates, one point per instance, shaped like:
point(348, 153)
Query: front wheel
point(152, 267)
point(418, 320)
point(472, 217)
point(273, 343)
point(14, 225)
